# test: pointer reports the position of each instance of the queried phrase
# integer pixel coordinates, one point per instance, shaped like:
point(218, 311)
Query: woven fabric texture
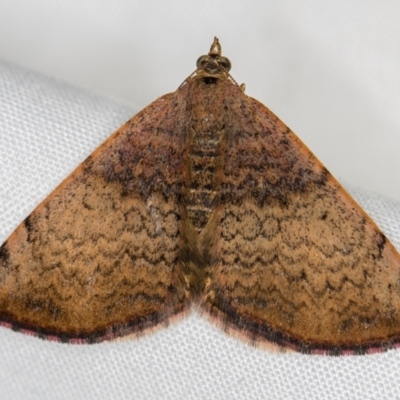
point(46, 129)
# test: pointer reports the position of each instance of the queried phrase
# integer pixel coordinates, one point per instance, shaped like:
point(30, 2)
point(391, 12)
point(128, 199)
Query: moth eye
point(225, 63)
point(201, 61)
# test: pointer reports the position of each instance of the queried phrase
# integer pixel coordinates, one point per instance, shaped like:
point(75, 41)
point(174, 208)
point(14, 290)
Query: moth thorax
point(205, 153)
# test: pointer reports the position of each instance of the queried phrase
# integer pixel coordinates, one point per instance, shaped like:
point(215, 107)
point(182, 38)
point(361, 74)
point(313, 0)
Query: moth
point(205, 198)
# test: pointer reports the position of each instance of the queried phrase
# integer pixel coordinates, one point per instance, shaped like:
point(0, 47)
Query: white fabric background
point(47, 128)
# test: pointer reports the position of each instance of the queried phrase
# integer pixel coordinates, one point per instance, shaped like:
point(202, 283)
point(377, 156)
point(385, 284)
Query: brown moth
point(204, 198)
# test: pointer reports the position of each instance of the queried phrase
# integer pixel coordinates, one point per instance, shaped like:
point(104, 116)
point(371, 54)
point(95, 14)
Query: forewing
point(99, 257)
point(296, 261)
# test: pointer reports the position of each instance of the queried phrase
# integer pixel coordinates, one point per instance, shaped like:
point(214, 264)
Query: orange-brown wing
point(296, 261)
point(99, 257)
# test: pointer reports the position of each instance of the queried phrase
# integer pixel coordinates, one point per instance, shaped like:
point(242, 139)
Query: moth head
point(213, 63)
